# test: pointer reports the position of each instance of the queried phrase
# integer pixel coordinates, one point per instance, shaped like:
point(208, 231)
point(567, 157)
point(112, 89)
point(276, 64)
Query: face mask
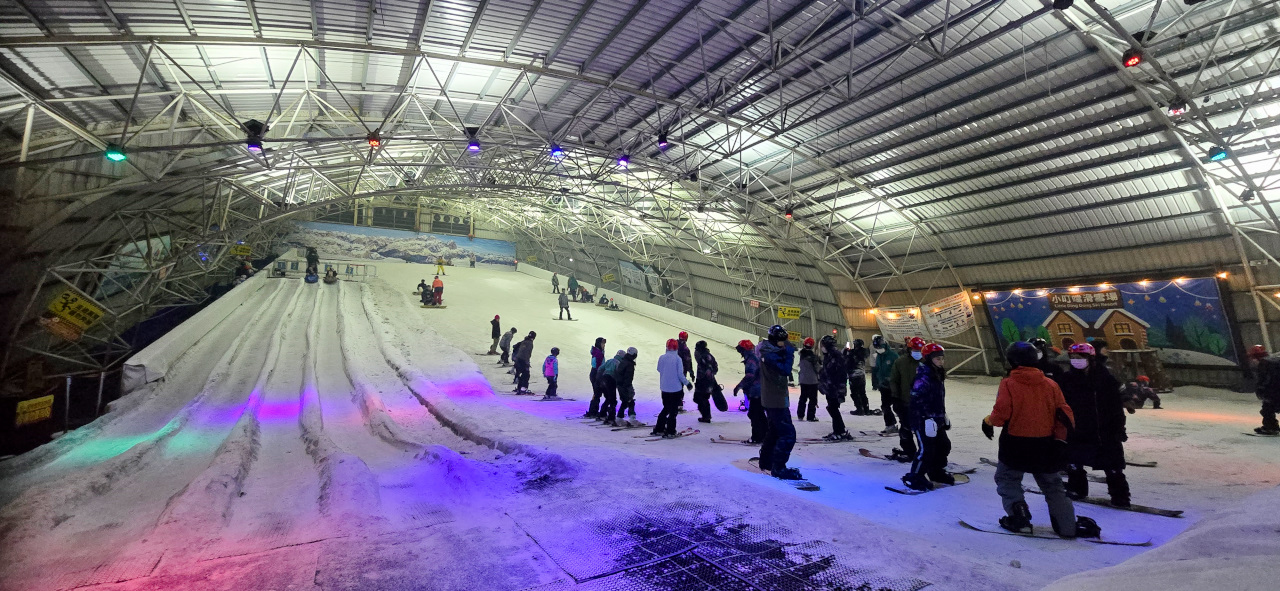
point(879, 349)
point(915, 355)
point(1039, 355)
point(1079, 363)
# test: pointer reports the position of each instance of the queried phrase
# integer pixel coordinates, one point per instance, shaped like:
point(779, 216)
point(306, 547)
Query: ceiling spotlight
point(624, 160)
point(662, 141)
point(1217, 154)
point(1131, 57)
point(701, 207)
point(1177, 108)
point(788, 214)
point(557, 151)
point(115, 153)
point(374, 140)
point(473, 146)
point(254, 132)
point(1222, 275)
point(1063, 4)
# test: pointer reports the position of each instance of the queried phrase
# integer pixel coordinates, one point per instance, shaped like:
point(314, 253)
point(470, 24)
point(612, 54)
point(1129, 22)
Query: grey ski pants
point(1009, 485)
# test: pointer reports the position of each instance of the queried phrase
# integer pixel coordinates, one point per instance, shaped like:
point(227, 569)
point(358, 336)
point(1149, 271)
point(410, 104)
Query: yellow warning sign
point(34, 411)
point(76, 308)
point(788, 313)
point(794, 337)
point(241, 250)
point(608, 278)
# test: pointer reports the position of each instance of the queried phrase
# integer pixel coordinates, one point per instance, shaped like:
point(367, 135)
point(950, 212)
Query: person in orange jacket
point(1036, 419)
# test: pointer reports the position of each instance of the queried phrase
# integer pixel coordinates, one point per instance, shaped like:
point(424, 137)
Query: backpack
point(549, 366)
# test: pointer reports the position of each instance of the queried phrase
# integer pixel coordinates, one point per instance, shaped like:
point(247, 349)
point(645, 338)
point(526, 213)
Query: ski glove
point(946, 421)
point(930, 428)
point(688, 386)
point(987, 429)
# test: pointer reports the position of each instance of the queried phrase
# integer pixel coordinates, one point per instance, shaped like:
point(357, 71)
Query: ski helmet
point(916, 344)
point(746, 345)
point(877, 341)
point(808, 342)
point(555, 350)
point(620, 353)
point(1021, 354)
point(777, 333)
point(828, 342)
point(632, 351)
point(932, 349)
point(1081, 349)
point(495, 317)
point(1257, 352)
point(533, 335)
point(672, 344)
point(1144, 379)
point(1040, 343)
point(684, 336)
point(700, 345)
point(858, 343)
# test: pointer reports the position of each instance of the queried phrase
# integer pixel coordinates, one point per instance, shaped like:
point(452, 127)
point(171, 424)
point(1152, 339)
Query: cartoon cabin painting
point(1122, 329)
point(1065, 329)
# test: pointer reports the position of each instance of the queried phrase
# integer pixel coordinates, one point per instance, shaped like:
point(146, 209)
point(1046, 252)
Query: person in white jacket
point(671, 379)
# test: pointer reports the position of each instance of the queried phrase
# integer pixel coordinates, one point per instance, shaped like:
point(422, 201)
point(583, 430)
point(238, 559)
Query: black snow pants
point(808, 402)
point(522, 375)
point(666, 424)
point(1117, 484)
point(609, 390)
point(887, 407)
point(858, 392)
point(778, 441)
point(596, 391)
point(759, 422)
point(833, 409)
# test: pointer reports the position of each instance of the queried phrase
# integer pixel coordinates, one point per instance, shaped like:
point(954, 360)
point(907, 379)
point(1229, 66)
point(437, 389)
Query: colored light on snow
point(115, 153)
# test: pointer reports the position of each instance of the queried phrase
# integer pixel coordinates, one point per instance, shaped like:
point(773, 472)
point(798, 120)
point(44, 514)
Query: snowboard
point(566, 319)
point(753, 465)
point(951, 467)
point(1045, 532)
point(1260, 435)
point(1138, 464)
point(1105, 502)
point(717, 397)
point(434, 307)
point(636, 426)
point(960, 479)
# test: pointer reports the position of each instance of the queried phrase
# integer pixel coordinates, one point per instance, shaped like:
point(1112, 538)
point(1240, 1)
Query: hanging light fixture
point(374, 139)
point(1217, 154)
point(1131, 57)
point(254, 132)
point(115, 153)
point(473, 143)
point(1177, 107)
point(624, 160)
point(557, 151)
point(662, 141)
point(789, 214)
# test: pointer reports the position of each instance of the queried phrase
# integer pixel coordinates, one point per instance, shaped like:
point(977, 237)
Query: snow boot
point(831, 437)
point(900, 456)
point(1087, 528)
point(590, 415)
point(917, 482)
point(785, 473)
point(1266, 431)
point(702, 420)
point(1019, 518)
point(890, 430)
point(943, 478)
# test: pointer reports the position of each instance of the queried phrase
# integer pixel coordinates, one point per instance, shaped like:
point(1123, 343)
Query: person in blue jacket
point(777, 361)
point(551, 371)
point(929, 422)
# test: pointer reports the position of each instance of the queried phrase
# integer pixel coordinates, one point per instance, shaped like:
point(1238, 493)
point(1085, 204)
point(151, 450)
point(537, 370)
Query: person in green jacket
point(880, 381)
point(573, 286)
point(902, 375)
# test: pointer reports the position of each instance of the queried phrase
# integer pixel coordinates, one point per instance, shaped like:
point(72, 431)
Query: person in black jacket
point(855, 359)
point(705, 382)
point(496, 333)
point(1267, 369)
point(808, 366)
point(623, 376)
point(831, 383)
point(1098, 438)
point(521, 358)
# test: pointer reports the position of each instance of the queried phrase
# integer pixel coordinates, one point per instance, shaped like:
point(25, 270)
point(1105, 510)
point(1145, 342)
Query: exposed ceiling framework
point(915, 144)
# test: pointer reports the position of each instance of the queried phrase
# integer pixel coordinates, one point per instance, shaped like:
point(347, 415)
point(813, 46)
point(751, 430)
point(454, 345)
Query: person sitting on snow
point(1136, 394)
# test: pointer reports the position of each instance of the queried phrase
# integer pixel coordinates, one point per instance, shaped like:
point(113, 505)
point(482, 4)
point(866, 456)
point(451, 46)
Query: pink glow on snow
point(278, 411)
point(1206, 417)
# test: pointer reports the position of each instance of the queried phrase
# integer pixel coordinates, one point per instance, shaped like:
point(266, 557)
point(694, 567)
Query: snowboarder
point(686, 359)
point(1137, 393)
point(564, 306)
point(623, 376)
point(673, 383)
point(831, 383)
point(705, 383)
point(749, 385)
point(428, 297)
point(1098, 438)
point(1044, 361)
point(524, 349)
point(496, 333)
point(929, 421)
point(902, 376)
point(573, 286)
point(607, 384)
point(422, 286)
point(597, 361)
point(855, 358)
point(777, 360)
point(505, 344)
point(880, 381)
point(555, 283)
point(1036, 419)
point(440, 266)
point(437, 291)
point(808, 382)
point(551, 371)
point(1267, 368)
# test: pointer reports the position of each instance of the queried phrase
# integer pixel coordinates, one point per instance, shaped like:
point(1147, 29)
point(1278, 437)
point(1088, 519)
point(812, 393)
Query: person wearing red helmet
point(496, 333)
point(749, 385)
point(1097, 441)
point(672, 383)
point(1136, 394)
point(929, 421)
point(1267, 369)
point(902, 376)
point(808, 382)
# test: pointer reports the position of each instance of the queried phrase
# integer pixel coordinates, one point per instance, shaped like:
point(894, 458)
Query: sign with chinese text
point(896, 324)
point(794, 337)
point(34, 411)
point(1102, 299)
point(76, 308)
point(241, 250)
point(788, 313)
point(608, 277)
point(948, 316)
point(754, 303)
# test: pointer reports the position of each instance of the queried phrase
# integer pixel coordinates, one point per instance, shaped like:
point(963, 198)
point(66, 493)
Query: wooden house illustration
point(1066, 329)
point(1122, 330)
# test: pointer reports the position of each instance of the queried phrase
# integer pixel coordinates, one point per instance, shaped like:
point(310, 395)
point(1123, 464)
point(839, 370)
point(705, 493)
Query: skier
point(749, 385)
point(422, 286)
point(573, 286)
point(880, 370)
point(1267, 368)
point(902, 376)
point(597, 361)
point(607, 384)
point(1137, 393)
point(686, 360)
point(505, 344)
point(623, 376)
point(524, 349)
point(831, 384)
point(705, 383)
point(551, 371)
point(929, 421)
point(1098, 439)
point(1036, 419)
point(472, 259)
point(440, 266)
point(437, 291)
point(555, 283)
point(496, 333)
point(564, 306)
point(671, 379)
point(808, 382)
point(1044, 359)
point(777, 359)
point(855, 359)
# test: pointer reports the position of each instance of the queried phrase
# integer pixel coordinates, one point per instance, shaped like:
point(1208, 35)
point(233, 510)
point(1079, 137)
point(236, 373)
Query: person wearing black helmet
point(521, 355)
point(1267, 370)
point(607, 381)
point(623, 376)
point(1044, 359)
point(597, 360)
point(831, 380)
point(855, 360)
point(777, 361)
point(929, 421)
point(705, 382)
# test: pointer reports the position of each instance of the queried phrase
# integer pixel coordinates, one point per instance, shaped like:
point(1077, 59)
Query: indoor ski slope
point(342, 437)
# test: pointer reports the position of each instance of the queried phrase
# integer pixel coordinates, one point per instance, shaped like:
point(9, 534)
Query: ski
point(960, 479)
point(952, 468)
point(556, 399)
point(823, 441)
point(684, 433)
point(565, 320)
point(1045, 532)
point(723, 439)
point(434, 307)
point(1138, 464)
point(753, 465)
point(1105, 502)
point(878, 434)
point(684, 430)
point(639, 426)
point(1261, 435)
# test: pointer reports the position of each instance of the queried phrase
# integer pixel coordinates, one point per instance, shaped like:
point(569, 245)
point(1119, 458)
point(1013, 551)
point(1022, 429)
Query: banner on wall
point(363, 242)
point(1182, 319)
point(896, 324)
point(632, 276)
point(948, 316)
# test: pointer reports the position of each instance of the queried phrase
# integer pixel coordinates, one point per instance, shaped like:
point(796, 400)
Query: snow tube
point(312, 278)
point(330, 279)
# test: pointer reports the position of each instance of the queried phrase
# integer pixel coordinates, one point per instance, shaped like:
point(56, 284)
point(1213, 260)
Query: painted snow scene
point(381, 244)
